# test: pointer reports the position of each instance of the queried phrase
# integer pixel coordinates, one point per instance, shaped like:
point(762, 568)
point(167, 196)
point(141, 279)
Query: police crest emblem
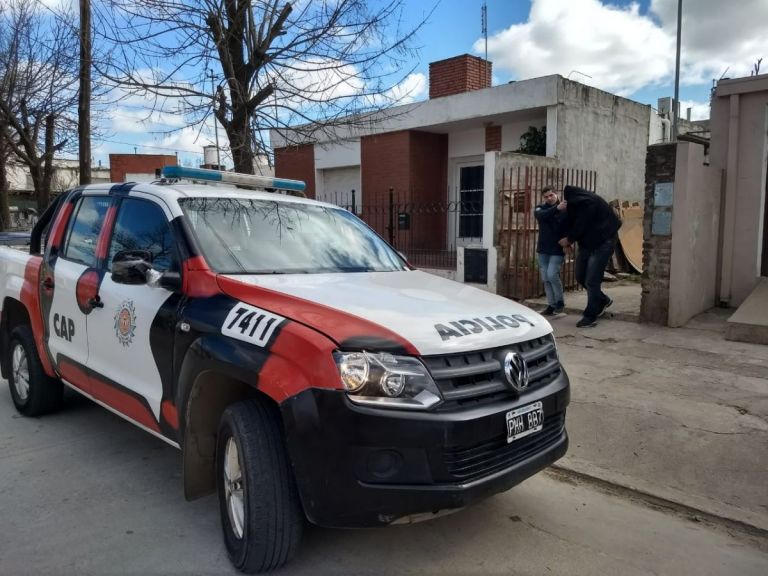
point(125, 322)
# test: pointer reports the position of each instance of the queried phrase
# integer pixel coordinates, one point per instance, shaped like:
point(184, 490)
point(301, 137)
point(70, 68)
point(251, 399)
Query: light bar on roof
point(185, 173)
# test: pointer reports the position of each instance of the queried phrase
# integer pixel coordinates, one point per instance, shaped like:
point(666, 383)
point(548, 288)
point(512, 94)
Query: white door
point(75, 283)
point(131, 337)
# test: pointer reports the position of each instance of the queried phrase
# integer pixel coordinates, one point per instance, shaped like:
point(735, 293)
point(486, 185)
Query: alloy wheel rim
point(20, 368)
point(233, 488)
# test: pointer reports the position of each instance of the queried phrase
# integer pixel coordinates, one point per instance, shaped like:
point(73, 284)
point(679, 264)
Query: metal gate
point(518, 229)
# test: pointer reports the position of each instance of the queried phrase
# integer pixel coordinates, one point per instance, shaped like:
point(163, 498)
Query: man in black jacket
point(592, 223)
point(550, 216)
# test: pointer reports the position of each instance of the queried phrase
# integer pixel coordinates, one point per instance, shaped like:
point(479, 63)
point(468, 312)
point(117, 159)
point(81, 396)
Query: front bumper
point(357, 466)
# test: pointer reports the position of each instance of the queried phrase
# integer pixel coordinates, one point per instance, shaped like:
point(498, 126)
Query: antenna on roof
point(484, 26)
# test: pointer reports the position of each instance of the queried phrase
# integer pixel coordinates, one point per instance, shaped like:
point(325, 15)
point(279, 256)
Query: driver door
point(132, 335)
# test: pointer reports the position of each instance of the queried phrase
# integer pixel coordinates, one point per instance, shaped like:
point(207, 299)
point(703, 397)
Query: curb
point(685, 510)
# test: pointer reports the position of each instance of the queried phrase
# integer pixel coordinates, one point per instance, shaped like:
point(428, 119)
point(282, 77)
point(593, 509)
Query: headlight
point(386, 380)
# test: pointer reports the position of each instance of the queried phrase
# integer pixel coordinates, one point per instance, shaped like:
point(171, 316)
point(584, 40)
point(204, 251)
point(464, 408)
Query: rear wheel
point(261, 514)
point(32, 390)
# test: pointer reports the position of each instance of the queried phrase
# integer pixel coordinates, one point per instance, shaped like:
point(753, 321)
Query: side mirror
point(134, 267)
point(131, 266)
point(168, 280)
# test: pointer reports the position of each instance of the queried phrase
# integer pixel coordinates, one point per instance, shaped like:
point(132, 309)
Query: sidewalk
point(626, 301)
point(681, 414)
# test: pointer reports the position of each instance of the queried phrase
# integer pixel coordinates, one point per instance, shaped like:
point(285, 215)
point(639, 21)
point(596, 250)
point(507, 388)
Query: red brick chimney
point(458, 74)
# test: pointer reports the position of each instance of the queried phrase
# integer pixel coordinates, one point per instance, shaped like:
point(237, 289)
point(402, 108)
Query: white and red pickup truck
point(305, 370)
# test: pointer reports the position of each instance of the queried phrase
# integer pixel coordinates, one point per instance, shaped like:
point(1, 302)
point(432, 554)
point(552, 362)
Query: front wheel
point(32, 390)
point(260, 510)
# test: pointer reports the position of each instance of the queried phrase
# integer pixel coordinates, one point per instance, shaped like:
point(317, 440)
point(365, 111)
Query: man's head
point(549, 196)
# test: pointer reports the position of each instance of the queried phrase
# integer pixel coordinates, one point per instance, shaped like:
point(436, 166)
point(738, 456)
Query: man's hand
point(564, 242)
point(562, 206)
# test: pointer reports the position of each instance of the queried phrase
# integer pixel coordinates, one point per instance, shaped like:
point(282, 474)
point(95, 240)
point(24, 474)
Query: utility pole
point(212, 76)
point(84, 100)
point(676, 103)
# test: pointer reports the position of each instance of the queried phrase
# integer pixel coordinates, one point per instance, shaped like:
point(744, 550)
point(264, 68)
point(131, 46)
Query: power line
point(152, 147)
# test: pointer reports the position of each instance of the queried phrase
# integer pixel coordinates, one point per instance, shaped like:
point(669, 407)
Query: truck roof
point(175, 191)
point(182, 182)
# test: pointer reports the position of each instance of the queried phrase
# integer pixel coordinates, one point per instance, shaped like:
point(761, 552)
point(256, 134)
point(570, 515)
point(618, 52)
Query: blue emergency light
point(184, 173)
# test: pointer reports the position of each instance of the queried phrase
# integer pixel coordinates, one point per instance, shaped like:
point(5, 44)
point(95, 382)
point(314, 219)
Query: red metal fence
point(518, 230)
point(425, 232)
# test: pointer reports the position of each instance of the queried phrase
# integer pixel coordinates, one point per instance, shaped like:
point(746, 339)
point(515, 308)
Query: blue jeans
point(590, 266)
point(549, 268)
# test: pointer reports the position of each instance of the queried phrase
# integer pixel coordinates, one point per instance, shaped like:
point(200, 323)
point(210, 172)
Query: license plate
point(524, 421)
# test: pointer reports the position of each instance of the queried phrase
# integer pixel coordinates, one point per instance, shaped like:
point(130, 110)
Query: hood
point(576, 196)
point(435, 315)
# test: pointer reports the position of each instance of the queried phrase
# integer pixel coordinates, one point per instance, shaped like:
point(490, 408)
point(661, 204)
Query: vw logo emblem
point(516, 371)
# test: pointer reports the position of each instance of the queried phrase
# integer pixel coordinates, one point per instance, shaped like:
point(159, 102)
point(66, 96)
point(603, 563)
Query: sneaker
point(559, 311)
point(548, 311)
point(605, 306)
point(586, 322)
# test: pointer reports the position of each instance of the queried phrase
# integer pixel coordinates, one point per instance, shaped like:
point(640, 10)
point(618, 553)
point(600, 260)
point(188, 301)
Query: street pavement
point(659, 418)
point(678, 413)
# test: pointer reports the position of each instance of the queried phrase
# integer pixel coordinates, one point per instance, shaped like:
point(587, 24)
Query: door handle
point(95, 302)
point(48, 283)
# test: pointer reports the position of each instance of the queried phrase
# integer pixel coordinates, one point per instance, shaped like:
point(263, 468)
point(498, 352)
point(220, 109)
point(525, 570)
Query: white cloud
point(623, 50)
point(323, 80)
point(716, 36)
point(189, 140)
point(412, 88)
point(619, 48)
point(699, 110)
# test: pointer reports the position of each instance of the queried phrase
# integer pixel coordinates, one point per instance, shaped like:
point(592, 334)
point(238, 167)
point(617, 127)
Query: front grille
point(469, 463)
point(477, 378)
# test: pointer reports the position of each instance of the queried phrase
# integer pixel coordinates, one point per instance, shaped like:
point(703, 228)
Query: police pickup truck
point(303, 368)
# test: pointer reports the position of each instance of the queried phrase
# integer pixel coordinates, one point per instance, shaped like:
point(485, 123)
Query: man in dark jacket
point(551, 215)
point(592, 223)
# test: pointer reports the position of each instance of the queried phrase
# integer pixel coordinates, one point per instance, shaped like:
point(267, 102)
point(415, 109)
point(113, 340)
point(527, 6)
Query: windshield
point(244, 236)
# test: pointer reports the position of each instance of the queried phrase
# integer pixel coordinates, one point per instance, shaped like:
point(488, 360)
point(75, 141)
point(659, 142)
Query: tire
point(262, 529)
point(33, 392)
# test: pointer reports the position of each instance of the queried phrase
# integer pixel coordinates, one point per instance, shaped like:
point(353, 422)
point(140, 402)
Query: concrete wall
point(660, 167)
point(604, 132)
point(739, 145)
point(334, 155)
point(695, 230)
point(335, 185)
point(66, 175)
point(482, 105)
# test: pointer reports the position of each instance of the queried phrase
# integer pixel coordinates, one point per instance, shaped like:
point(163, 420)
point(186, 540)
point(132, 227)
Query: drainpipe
point(666, 130)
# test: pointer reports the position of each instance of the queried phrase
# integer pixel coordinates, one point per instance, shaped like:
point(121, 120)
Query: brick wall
point(493, 138)
point(429, 184)
point(657, 237)
point(297, 163)
point(122, 164)
point(384, 163)
point(458, 74)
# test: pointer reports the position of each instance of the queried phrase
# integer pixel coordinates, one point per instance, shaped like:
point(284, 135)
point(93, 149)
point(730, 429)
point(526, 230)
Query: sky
point(624, 47)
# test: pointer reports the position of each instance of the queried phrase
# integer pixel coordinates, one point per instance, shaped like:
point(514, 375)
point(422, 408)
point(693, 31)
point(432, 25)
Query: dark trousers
point(590, 266)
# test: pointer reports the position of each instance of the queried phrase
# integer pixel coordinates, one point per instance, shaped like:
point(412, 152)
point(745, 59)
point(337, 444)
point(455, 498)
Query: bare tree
point(258, 64)
point(5, 211)
point(38, 88)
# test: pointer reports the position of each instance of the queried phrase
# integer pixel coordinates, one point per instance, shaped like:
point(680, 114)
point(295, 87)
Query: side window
point(142, 225)
point(84, 229)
